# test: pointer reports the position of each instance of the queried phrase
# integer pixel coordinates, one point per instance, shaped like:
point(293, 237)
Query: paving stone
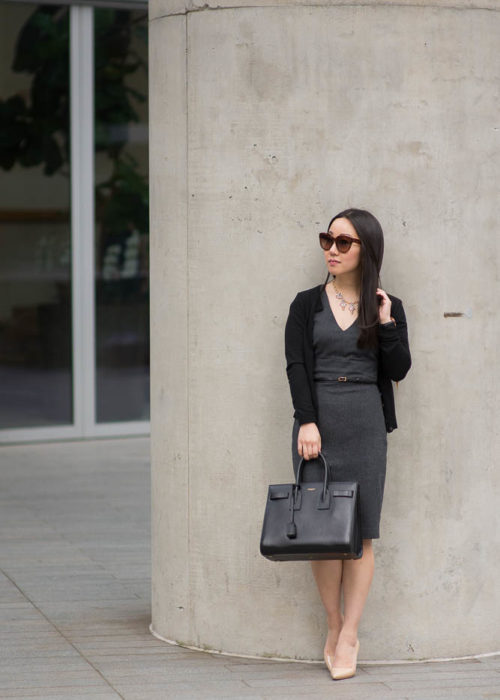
point(469, 693)
point(65, 693)
point(10, 594)
point(162, 693)
point(427, 668)
point(181, 689)
point(481, 679)
point(98, 613)
point(322, 677)
point(168, 676)
point(27, 654)
point(74, 589)
point(74, 662)
point(193, 690)
point(74, 620)
point(48, 679)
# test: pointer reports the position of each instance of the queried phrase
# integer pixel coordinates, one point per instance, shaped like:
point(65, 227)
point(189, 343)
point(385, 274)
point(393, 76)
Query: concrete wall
point(265, 121)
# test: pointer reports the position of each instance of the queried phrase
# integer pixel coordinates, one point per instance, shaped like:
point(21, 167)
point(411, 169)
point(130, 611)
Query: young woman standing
point(346, 340)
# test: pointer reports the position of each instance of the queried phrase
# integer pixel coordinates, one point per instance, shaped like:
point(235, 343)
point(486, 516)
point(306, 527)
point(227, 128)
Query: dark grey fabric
point(342, 357)
point(350, 417)
point(394, 355)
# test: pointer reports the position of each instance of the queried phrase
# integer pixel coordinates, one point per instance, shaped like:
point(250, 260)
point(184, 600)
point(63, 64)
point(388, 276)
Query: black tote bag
point(312, 520)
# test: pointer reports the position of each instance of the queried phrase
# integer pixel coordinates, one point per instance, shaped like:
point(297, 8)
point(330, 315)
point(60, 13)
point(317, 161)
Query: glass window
point(122, 223)
point(35, 261)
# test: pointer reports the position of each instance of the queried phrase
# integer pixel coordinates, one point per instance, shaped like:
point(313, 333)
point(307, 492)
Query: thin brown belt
point(353, 380)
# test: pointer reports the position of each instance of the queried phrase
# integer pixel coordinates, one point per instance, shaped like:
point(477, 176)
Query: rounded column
point(265, 121)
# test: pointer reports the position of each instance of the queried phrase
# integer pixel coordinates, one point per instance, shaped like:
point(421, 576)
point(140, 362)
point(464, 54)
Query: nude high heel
point(341, 672)
point(328, 661)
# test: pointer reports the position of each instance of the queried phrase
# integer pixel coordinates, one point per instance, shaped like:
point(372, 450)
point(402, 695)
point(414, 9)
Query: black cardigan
point(394, 356)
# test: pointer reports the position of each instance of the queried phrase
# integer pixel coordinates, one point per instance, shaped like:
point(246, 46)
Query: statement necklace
point(343, 302)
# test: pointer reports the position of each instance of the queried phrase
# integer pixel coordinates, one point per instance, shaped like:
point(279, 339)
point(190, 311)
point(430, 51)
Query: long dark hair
point(371, 235)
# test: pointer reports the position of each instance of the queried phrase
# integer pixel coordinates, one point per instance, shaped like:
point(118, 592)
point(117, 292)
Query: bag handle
point(325, 478)
point(291, 528)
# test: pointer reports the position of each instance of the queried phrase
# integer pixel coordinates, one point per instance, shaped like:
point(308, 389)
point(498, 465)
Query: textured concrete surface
point(265, 121)
point(163, 8)
point(75, 603)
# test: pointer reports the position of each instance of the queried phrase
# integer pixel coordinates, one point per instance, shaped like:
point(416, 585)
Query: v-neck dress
point(350, 416)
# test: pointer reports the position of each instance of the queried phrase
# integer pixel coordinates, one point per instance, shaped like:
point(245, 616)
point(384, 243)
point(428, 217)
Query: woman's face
point(340, 263)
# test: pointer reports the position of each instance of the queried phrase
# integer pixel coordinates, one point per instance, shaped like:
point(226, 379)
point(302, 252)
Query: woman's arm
point(308, 439)
point(295, 364)
point(395, 358)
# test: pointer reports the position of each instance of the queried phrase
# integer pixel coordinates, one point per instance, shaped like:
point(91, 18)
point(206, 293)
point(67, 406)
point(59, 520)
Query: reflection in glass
point(122, 224)
point(35, 261)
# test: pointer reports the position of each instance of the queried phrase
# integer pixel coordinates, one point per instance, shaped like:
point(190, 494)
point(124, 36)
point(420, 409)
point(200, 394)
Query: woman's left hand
point(384, 309)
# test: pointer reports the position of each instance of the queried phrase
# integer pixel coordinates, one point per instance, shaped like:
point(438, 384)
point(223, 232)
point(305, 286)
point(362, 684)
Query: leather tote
point(312, 520)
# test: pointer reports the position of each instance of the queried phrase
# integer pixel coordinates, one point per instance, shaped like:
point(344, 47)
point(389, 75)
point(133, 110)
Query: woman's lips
point(332, 261)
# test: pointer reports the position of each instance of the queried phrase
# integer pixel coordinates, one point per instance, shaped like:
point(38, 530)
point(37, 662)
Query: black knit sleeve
point(295, 363)
point(395, 358)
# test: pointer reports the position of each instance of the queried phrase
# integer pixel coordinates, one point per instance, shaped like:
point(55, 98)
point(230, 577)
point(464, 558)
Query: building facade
point(74, 222)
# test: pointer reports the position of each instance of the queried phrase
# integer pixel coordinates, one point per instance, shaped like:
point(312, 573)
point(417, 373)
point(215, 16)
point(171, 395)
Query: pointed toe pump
point(339, 673)
point(328, 661)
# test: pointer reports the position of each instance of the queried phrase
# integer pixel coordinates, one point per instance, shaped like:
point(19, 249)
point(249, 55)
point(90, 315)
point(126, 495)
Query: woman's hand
point(309, 441)
point(384, 309)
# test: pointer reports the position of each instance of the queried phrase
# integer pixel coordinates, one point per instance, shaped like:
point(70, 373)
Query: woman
point(345, 342)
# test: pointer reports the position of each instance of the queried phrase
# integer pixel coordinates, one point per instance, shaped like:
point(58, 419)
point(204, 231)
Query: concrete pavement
point(75, 598)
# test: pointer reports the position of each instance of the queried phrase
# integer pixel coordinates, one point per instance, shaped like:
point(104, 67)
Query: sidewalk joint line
point(60, 632)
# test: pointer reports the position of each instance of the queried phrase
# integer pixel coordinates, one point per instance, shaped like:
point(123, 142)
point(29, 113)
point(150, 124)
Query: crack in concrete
point(348, 3)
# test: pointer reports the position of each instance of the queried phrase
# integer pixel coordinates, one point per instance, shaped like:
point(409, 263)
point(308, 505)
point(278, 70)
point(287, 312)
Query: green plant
point(35, 131)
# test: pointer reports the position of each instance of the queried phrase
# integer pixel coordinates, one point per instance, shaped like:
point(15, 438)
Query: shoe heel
point(340, 673)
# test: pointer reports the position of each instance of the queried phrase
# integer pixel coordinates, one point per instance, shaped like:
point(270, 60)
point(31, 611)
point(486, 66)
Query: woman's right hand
point(309, 441)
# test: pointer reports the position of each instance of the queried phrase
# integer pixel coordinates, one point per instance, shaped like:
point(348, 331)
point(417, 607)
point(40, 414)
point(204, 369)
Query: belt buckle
point(341, 379)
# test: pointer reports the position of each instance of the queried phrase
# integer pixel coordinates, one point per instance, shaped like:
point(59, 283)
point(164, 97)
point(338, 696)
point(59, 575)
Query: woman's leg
point(328, 575)
point(357, 576)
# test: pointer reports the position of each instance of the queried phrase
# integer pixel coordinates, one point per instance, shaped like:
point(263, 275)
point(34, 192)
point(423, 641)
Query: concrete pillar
point(266, 120)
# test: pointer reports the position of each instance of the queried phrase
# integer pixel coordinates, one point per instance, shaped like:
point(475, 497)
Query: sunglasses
point(343, 242)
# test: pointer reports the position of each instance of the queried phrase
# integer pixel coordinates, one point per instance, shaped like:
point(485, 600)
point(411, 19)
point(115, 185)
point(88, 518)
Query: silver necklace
point(351, 305)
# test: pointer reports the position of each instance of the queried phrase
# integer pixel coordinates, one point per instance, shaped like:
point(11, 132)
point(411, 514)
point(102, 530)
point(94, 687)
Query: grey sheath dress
point(350, 416)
